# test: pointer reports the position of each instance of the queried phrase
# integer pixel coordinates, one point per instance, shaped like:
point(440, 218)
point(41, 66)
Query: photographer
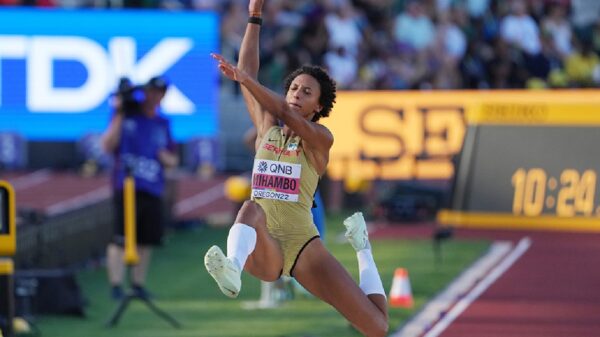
point(140, 140)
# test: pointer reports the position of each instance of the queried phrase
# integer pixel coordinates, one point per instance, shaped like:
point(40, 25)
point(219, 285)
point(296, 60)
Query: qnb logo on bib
point(276, 180)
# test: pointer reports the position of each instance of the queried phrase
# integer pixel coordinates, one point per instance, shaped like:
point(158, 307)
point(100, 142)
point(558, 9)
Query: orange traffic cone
point(401, 293)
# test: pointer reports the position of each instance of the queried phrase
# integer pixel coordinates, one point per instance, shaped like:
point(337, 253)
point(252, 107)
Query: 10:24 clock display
point(571, 194)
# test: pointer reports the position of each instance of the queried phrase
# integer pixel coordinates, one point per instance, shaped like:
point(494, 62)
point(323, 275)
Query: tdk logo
point(104, 67)
point(58, 68)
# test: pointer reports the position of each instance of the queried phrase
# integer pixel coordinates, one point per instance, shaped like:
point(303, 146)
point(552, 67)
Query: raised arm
point(317, 138)
point(249, 62)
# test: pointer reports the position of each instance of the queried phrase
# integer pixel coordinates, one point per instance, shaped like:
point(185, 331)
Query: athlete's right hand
point(255, 6)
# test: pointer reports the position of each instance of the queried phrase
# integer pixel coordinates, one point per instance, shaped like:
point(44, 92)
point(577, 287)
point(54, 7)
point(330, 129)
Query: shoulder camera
point(132, 96)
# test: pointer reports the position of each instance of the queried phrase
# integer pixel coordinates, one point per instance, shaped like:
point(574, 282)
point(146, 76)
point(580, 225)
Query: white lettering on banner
point(11, 47)
point(120, 50)
point(157, 61)
point(41, 93)
point(103, 69)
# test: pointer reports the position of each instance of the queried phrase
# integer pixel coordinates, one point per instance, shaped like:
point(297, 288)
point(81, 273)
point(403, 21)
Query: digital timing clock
point(529, 166)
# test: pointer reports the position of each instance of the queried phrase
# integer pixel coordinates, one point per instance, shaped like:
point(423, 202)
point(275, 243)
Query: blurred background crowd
point(410, 44)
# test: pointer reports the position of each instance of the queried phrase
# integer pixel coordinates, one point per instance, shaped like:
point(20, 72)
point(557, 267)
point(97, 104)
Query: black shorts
point(149, 219)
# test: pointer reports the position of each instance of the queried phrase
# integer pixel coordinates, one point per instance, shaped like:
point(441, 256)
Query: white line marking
point(79, 201)
point(31, 179)
point(443, 301)
point(199, 200)
point(464, 303)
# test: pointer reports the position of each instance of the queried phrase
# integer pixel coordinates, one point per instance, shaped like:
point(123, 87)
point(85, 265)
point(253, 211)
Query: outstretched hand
point(229, 70)
point(255, 6)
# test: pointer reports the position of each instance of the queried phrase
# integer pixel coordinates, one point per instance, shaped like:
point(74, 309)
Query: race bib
point(276, 180)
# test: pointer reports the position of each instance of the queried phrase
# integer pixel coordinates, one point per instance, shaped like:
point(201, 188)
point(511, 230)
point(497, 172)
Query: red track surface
point(52, 193)
point(198, 198)
point(552, 290)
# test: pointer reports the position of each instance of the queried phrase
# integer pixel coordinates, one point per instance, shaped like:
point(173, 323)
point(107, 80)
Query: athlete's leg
point(358, 236)
point(321, 274)
point(249, 247)
point(266, 260)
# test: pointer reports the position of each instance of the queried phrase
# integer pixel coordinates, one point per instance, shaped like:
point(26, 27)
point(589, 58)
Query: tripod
point(116, 316)
point(131, 256)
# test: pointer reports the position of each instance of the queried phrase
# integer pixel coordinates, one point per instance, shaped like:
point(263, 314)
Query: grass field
point(183, 288)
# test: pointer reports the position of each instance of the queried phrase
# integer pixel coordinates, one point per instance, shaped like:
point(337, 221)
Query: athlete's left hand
point(229, 70)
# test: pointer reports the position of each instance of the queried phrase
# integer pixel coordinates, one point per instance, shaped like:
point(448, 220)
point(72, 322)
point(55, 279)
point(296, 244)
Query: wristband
point(255, 20)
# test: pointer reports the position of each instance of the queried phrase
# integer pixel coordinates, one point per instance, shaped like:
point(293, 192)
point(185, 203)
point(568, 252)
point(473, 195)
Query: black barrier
point(7, 305)
point(48, 291)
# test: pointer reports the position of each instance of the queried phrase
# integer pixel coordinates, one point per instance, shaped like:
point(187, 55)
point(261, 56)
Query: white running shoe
point(224, 271)
point(356, 231)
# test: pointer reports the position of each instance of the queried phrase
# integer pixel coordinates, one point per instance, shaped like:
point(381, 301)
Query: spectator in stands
point(596, 37)
point(584, 14)
point(506, 67)
point(414, 27)
point(581, 64)
point(139, 138)
point(298, 32)
point(520, 30)
point(342, 66)
point(477, 8)
point(557, 27)
point(314, 36)
point(473, 67)
point(449, 47)
point(344, 29)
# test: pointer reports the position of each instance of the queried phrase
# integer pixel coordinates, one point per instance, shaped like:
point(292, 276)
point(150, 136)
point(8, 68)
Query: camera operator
point(139, 138)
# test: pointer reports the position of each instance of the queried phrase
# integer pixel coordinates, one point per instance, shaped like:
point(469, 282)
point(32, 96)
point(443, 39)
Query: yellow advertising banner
point(406, 135)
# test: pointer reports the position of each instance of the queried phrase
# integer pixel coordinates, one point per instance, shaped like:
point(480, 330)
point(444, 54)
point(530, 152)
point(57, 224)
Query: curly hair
point(327, 98)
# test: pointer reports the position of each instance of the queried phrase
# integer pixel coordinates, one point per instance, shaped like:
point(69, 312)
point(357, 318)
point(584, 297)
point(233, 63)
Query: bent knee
point(251, 214)
point(272, 276)
point(380, 330)
point(377, 327)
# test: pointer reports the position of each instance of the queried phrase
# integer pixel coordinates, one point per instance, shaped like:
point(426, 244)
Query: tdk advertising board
point(58, 68)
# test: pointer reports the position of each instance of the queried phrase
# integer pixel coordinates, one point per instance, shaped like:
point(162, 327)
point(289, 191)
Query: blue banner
point(58, 68)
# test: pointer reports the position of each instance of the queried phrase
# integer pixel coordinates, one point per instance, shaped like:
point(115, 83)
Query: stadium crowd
point(410, 44)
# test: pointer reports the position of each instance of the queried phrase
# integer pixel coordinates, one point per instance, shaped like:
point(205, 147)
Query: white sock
point(370, 282)
point(240, 243)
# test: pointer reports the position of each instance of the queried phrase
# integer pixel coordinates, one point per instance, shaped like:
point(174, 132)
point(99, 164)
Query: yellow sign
point(8, 244)
point(395, 135)
point(576, 107)
point(405, 135)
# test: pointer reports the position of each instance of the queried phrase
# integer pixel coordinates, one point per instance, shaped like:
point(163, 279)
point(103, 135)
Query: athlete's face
point(303, 95)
